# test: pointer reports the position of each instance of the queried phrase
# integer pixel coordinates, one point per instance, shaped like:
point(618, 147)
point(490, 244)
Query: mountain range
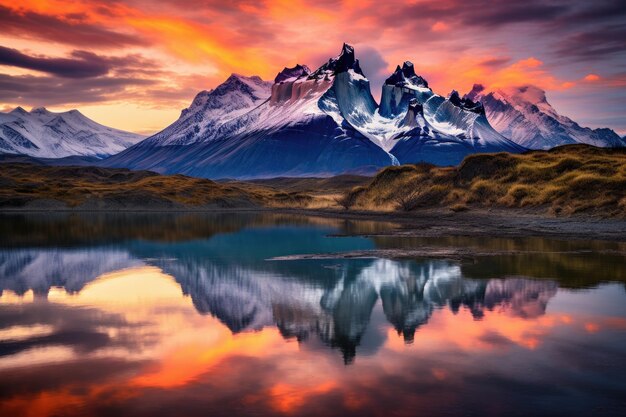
point(44, 134)
point(524, 115)
point(312, 123)
point(316, 123)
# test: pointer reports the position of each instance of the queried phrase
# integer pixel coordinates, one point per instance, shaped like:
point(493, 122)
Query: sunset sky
point(134, 64)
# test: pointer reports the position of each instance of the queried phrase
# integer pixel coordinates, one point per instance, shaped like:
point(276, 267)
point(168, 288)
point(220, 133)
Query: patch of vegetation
point(105, 188)
point(563, 181)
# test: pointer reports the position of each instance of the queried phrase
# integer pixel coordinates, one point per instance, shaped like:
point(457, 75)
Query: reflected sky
point(209, 326)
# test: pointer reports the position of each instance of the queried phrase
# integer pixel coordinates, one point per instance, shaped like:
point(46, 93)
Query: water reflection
point(254, 295)
point(196, 326)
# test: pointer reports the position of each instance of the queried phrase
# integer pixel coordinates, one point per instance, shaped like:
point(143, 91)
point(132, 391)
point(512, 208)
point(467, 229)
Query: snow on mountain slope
point(524, 115)
point(306, 127)
point(44, 134)
point(421, 126)
point(212, 109)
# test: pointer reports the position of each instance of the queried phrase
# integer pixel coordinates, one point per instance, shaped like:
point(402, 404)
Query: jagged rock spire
point(343, 62)
point(466, 103)
point(292, 73)
point(406, 75)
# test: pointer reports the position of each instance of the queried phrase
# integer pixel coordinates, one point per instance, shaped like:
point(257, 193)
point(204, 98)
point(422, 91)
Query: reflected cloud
point(81, 329)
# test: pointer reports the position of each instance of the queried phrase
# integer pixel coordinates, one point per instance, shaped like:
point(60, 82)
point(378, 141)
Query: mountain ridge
point(311, 123)
point(44, 134)
point(524, 114)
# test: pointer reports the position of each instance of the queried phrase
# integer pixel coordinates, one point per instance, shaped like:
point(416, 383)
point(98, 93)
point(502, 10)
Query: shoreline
point(419, 223)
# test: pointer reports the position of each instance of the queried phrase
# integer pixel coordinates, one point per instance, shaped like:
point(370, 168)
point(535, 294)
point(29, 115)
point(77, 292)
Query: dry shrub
point(516, 195)
point(486, 166)
point(484, 191)
point(428, 197)
point(349, 198)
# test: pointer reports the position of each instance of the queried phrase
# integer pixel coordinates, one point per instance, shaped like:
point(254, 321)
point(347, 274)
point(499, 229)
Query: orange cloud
point(470, 70)
point(439, 27)
point(591, 77)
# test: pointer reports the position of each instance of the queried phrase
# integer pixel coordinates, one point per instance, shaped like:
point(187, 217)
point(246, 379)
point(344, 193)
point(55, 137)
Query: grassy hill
point(50, 187)
point(564, 181)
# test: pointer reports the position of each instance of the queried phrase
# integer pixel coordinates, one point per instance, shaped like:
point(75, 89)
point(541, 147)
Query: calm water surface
point(186, 315)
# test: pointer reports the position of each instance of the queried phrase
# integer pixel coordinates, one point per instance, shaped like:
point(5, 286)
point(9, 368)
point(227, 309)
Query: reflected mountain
point(41, 269)
point(304, 299)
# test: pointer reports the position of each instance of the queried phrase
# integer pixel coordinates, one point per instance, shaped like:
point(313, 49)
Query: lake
point(193, 315)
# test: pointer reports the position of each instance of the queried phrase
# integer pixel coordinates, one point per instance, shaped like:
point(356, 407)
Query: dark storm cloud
point(506, 12)
point(84, 77)
point(594, 44)
point(477, 13)
point(49, 91)
point(599, 10)
point(72, 30)
point(83, 65)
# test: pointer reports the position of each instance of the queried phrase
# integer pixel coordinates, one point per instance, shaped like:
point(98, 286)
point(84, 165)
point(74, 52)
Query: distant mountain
point(422, 126)
point(318, 123)
point(43, 134)
point(524, 115)
point(211, 110)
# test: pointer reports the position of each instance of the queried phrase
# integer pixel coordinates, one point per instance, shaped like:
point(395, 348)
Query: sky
point(135, 64)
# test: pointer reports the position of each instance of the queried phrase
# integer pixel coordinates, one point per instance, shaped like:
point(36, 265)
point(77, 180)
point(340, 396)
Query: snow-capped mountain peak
point(307, 124)
point(40, 110)
point(344, 62)
point(212, 109)
point(18, 110)
point(524, 114)
point(405, 77)
point(422, 126)
point(44, 134)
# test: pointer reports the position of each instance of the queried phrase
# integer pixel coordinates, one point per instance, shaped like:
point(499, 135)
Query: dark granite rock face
point(344, 62)
point(466, 103)
point(406, 75)
point(295, 72)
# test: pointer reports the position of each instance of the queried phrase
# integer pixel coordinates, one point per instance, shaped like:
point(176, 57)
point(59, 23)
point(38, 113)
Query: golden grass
point(92, 187)
point(564, 181)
